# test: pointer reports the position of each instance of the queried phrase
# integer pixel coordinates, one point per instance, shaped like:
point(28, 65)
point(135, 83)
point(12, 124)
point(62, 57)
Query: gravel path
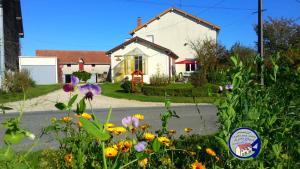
point(46, 102)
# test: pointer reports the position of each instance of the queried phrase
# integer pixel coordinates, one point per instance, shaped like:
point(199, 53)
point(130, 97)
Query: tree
point(210, 56)
point(245, 54)
point(280, 35)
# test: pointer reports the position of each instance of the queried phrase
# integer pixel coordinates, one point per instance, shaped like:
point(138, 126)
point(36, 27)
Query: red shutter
point(81, 66)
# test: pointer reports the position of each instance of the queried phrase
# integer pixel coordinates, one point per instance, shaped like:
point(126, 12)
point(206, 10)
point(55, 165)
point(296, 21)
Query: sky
point(104, 24)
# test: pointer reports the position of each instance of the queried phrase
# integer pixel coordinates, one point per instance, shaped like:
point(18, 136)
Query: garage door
point(42, 74)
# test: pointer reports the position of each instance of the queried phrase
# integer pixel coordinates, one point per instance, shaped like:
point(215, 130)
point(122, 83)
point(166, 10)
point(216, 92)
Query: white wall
point(28, 60)
point(88, 68)
point(173, 31)
point(155, 61)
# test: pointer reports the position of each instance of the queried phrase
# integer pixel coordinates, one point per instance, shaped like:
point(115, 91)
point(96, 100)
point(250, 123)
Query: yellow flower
point(197, 165)
point(143, 163)
point(109, 125)
point(53, 119)
point(79, 124)
point(124, 146)
point(210, 152)
point(217, 158)
point(67, 119)
point(187, 130)
point(192, 153)
point(119, 130)
point(77, 115)
point(139, 116)
point(110, 152)
point(144, 126)
point(68, 158)
point(172, 131)
point(149, 136)
point(86, 116)
point(111, 129)
point(164, 140)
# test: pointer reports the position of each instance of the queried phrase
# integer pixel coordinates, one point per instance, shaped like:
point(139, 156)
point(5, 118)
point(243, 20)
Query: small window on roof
point(69, 65)
point(93, 65)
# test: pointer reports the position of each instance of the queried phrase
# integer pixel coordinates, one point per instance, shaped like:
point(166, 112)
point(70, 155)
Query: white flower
point(30, 136)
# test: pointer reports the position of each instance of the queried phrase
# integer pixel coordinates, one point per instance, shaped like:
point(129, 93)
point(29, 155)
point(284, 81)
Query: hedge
point(186, 91)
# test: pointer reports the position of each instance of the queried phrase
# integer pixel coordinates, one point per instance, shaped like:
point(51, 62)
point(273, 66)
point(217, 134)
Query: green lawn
point(30, 93)
point(114, 90)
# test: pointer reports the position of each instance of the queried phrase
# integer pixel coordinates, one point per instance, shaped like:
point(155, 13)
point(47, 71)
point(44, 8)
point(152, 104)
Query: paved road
point(189, 117)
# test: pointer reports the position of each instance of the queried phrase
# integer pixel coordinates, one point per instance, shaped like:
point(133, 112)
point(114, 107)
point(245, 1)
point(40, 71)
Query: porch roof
point(148, 43)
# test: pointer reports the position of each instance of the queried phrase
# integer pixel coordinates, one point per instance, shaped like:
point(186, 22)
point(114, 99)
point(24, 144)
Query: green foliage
point(17, 81)
point(126, 86)
point(198, 78)
point(272, 110)
point(185, 90)
point(82, 75)
point(159, 80)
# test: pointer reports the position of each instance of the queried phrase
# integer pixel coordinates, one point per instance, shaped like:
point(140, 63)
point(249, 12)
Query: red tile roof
point(173, 9)
point(73, 56)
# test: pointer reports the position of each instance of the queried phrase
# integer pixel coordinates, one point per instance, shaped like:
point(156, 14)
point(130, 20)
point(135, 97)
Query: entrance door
point(67, 78)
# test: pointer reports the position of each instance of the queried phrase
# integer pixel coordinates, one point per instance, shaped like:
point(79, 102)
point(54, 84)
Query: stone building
point(11, 30)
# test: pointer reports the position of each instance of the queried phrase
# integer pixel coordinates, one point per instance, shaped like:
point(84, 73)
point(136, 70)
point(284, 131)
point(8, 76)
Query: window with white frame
point(190, 67)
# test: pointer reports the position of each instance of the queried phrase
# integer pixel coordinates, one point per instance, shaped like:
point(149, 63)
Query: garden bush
point(198, 78)
point(159, 80)
point(82, 75)
point(126, 86)
point(185, 90)
point(17, 81)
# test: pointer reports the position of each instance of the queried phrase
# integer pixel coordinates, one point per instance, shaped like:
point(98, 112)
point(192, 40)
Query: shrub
point(82, 75)
point(185, 90)
point(159, 80)
point(126, 86)
point(17, 81)
point(198, 78)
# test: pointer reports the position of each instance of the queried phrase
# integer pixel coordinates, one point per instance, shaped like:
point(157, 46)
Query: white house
point(243, 149)
point(95, 62)
point(171, 30)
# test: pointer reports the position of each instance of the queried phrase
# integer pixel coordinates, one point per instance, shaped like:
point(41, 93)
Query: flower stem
point(103, 155)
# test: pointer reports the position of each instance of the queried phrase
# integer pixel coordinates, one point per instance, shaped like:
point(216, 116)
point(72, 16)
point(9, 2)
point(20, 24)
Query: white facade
point(42, 70)
point(175, 32)
point(99, 69)
point(155, 61)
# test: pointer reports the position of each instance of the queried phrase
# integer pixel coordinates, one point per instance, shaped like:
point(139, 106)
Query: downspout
point(169, 68)
point(2, 59)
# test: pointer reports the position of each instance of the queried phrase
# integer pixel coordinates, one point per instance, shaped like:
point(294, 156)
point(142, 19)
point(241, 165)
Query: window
point(150, 38)
point(190, 67)
point(138, 63)
point(69, 65)
point(93, 65)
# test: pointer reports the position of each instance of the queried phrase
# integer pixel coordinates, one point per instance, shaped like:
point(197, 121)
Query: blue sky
point(103, 24)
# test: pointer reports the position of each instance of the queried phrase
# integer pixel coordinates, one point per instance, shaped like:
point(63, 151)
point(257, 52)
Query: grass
point(30, 93)
point(114, 90)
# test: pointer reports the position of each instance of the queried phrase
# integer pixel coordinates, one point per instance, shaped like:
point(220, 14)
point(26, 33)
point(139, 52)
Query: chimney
point(139, 21)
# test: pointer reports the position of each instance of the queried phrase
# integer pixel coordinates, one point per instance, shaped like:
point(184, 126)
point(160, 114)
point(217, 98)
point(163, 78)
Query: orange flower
point(124, 146)
point(68, 158)
point(110, 152)
point(197, 165)
point(187, 130)
point(164, 140)
point(144, 126)
point(79, 124)
point(149, 136)
point(67, 119)
point(210, 152)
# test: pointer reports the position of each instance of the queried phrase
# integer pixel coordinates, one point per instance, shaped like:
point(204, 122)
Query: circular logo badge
point(244, 143)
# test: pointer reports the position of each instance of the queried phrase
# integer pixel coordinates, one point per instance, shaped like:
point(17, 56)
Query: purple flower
point(140, 146)
point(130, 121)
point(69, 87)
point(90, 90)
point(74, 80)
point(229, 87)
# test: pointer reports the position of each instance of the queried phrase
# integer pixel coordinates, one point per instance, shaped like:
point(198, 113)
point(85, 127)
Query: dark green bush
point(17, 81)
point(198, 79)
point(82, 75)
point(185, 90)
point(159, 80)
point(126, 86)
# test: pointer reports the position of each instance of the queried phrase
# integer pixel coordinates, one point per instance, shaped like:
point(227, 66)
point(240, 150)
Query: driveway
point(46, 102)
